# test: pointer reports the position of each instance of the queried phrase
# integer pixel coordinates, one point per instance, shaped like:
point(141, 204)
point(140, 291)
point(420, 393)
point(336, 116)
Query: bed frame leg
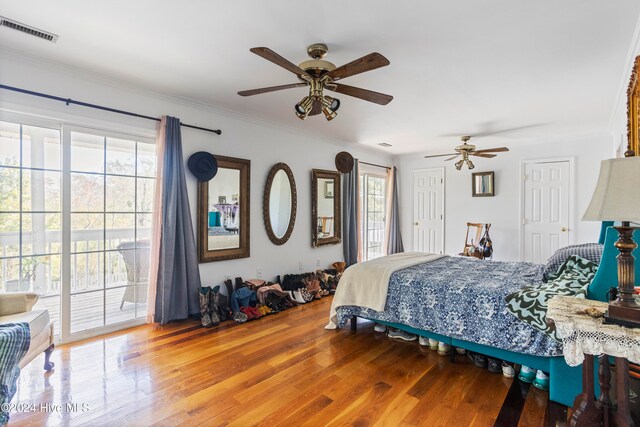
point(354, 323)
point(452, 356)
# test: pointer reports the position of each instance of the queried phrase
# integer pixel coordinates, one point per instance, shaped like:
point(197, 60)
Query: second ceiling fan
point(320, 74)
point(465, 150)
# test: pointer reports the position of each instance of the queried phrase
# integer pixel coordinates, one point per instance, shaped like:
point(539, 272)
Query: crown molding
point(620, 99)
point(103, 79)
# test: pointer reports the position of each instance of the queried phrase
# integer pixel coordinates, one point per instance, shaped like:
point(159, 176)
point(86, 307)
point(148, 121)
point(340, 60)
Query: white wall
point(263, 143)
point(503, 210)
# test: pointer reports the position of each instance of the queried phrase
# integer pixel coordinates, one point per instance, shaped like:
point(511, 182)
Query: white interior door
point(428, 211)
point(546, 209)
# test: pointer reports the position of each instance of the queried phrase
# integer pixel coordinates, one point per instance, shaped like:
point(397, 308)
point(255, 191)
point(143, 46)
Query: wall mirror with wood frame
point(279, 204)
point(482, 184)
point(223, 212)
point(633, 111)
point(325, 207)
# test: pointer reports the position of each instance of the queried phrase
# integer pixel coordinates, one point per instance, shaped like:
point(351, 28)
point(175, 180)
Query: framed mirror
point(325, 207)
point(223, 212)
point(482, 184)
point(279, 204)
point(633, 109)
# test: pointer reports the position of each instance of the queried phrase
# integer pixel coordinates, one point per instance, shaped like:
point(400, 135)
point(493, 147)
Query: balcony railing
point(85, 276)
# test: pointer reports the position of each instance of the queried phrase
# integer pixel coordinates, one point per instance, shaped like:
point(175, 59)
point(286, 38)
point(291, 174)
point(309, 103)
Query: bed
point(460, 301)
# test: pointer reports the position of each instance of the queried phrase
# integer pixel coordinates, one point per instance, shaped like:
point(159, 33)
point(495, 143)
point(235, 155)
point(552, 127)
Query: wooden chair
point(472, 239)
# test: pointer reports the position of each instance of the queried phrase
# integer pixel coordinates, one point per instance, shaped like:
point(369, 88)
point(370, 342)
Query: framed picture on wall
point(482, 184)
point(328, 190)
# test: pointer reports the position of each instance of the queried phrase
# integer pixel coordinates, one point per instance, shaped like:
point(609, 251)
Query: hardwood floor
point(284, 369)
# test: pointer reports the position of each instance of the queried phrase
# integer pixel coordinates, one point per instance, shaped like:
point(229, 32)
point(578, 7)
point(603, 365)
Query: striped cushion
point(588, 251)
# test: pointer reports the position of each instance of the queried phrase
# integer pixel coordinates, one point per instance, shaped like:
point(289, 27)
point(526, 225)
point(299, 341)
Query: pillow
point(589, 251)
point(530, 303)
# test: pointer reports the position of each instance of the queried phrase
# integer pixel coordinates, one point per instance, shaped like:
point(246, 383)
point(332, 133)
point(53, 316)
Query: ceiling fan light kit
point(465, 150)
point(330, 106)
point(303, 108)
point(319, 74)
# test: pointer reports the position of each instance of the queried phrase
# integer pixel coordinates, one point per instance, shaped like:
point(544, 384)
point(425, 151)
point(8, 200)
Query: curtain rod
point(373, 164)
point(99, 107)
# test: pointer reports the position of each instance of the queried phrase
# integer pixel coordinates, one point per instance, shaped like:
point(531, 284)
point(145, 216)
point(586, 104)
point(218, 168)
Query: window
point(30, 213)
point(111, 200)
point(373, 190)
point(75, 222)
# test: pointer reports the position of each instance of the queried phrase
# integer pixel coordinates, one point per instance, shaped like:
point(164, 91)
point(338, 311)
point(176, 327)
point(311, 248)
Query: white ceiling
point(539, 68)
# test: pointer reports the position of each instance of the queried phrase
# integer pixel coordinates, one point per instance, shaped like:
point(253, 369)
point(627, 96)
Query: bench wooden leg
point(48, 364)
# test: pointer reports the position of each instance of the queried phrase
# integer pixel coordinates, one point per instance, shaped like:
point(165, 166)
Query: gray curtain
point(178, 274)
point(350, 198)
point(394, 242)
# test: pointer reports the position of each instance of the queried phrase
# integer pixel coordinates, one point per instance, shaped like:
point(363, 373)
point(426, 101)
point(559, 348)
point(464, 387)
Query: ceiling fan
point(465, 150)
point(319, 74)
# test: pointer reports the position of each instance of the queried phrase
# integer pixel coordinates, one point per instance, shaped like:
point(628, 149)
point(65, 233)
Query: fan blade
point(442, 155)
point(367, 95)
point(316, 108)
point(269, 89)
point(488, 156)
point(270, 55)
point(492, 150)
point(366, 63)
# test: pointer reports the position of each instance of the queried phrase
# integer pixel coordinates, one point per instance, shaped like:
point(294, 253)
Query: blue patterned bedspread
point(463, 298)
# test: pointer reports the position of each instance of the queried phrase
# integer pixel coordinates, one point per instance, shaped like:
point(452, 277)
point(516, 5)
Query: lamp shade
point(617, 194)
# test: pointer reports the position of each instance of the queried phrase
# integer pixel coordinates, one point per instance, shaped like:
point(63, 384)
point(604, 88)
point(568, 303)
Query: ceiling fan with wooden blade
point(269, 89)
point(319, 74)
point(465, 150)
point(356, 92)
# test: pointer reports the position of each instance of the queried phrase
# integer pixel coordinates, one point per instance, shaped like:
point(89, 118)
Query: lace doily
point(582, 334)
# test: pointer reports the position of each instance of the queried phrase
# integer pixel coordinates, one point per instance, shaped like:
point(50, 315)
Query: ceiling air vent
point(14, 25)
point(384, 144)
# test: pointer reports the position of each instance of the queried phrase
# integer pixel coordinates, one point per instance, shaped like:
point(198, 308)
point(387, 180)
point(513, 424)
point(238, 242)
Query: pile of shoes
point(527, 375)
point(248, 300)
point(255, 298)
point(306, 287)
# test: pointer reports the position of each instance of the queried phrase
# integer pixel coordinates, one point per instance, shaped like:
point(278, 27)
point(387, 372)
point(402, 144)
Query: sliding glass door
point(111, 187)
point(30, 213)
point(75, 222)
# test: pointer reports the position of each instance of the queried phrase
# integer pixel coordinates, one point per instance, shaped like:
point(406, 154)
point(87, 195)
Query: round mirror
point(279, 207)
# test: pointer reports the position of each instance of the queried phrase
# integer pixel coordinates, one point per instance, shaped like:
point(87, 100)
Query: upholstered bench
point(17, 307)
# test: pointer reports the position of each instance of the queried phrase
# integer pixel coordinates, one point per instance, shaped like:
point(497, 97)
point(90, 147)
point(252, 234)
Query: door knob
point(415, 223)
point(563, 229)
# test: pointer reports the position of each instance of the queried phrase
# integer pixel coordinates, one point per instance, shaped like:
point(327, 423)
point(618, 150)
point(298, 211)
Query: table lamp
point(617, 198)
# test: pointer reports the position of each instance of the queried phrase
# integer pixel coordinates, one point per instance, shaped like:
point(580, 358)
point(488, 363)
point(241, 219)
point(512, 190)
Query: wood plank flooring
point(93, 309)
point(284, 369)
